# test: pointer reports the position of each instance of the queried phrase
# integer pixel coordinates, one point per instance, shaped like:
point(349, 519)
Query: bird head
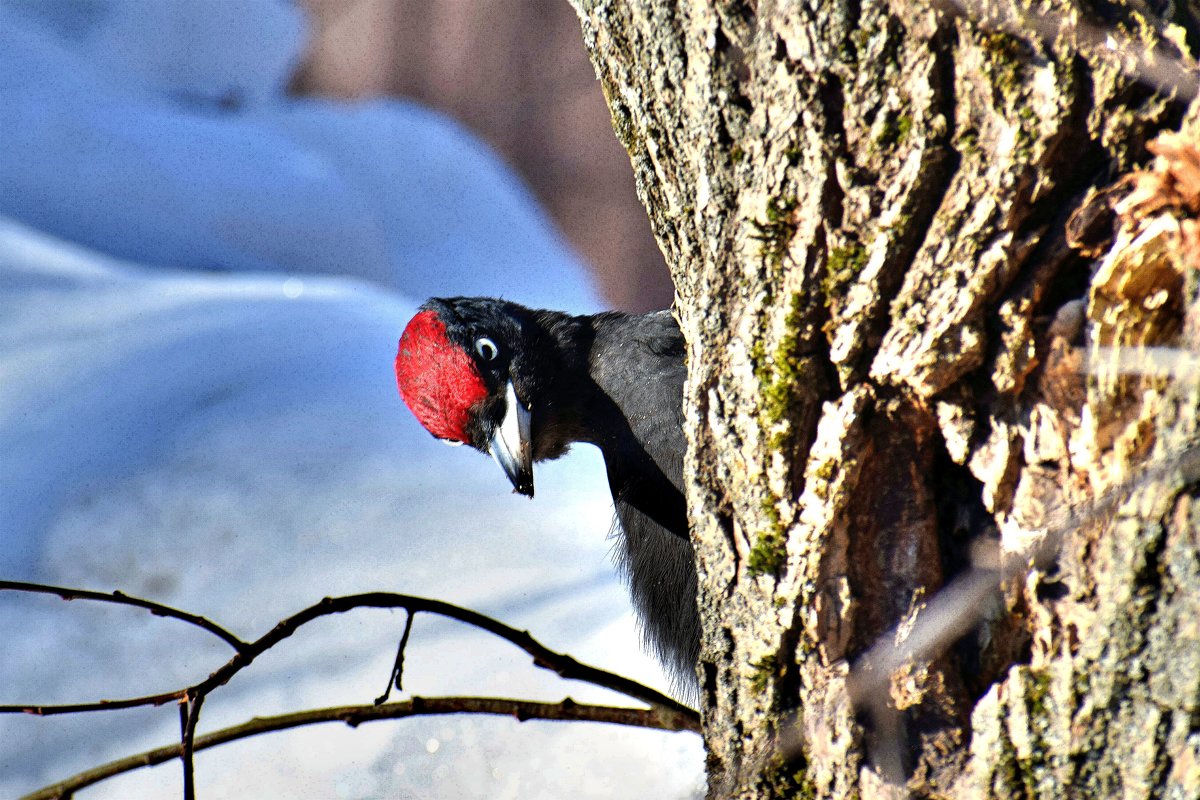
point(459, 370)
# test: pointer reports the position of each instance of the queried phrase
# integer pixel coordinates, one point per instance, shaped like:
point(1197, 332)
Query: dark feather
point(616, 381)
point(637, 361)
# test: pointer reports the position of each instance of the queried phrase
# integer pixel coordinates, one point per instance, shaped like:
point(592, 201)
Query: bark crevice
point(863, 205)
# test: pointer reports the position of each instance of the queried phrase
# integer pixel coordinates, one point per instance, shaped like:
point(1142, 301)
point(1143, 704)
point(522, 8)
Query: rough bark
point(863, 205)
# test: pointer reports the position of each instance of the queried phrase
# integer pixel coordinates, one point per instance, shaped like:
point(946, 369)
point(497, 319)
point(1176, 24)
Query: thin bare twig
point(665, 713)
point(190, 716)
point(189, 784)
point(48, 710)
point(567, 710)
point(561, 664)
point(964, 603)
point(1154, 66)
point(1151, 362)
point(397, 676)
point(122, 599)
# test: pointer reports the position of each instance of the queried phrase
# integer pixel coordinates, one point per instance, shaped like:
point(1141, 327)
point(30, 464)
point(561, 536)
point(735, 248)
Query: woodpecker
point(522, 385)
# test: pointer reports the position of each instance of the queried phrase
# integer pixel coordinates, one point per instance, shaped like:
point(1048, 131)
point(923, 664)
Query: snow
point(199, 306)
point(383, 190)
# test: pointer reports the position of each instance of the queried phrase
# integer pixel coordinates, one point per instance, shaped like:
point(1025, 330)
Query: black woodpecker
point(521, 385)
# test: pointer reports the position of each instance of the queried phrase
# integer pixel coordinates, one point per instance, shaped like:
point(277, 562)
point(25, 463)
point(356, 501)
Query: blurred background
point(216, 217)
point(516, 73)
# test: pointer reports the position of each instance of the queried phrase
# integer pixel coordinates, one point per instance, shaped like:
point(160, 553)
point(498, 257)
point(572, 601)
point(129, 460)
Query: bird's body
point(523, 385)
point(637, 362)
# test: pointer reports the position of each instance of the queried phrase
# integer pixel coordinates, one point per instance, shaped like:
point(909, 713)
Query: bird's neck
point(619, 387)
point(581, 403)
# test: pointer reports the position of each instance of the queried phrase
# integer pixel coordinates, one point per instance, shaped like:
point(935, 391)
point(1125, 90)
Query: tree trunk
point(864, 209)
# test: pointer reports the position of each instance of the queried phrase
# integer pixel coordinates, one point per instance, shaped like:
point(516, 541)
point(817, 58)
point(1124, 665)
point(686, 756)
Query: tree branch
point(563, 665)
point(397, 676)
point(189, 717)
point(122, 599)
point(665, 713)
point(567, 710)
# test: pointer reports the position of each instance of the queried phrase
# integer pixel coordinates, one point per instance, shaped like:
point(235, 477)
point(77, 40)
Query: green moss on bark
point(784, 777)
point(841, 268)
point(769, 553)
point(774, 234)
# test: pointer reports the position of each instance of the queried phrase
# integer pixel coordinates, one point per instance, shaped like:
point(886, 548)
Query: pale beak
point(511, 444)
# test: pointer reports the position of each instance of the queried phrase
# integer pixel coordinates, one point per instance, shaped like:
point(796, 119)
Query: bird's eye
point(450, 442)
point(486, 348)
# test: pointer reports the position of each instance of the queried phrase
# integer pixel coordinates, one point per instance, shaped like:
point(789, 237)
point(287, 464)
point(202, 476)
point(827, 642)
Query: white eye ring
point(451, 442)
point(486, 348)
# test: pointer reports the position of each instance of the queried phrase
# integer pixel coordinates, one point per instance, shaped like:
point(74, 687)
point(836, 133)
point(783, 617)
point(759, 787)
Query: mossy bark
point(863, 207)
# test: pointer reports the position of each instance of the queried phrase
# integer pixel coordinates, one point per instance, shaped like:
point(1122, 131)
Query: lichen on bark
point(863, 207)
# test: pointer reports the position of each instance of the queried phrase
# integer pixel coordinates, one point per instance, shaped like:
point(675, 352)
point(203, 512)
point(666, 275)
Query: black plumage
point(613, 380)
